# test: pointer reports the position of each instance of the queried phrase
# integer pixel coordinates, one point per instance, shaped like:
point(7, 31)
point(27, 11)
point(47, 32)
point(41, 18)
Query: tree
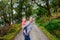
point(2, 7)
point(55, 5)
point(20, 10)
point(48, 8)
point(28, 11)
point(11, 11)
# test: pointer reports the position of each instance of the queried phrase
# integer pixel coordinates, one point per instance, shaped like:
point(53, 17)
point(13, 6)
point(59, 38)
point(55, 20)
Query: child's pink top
point(23, 23)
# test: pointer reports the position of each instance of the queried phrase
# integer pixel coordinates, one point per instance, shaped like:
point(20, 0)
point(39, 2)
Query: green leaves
point(53, 25)
point(13, 31)
point(41, 11)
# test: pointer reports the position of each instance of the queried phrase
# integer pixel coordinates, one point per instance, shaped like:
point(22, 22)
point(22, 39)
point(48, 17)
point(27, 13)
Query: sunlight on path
point(36, 34)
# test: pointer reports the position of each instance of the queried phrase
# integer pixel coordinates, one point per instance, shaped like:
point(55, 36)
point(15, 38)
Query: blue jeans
point(26, 37)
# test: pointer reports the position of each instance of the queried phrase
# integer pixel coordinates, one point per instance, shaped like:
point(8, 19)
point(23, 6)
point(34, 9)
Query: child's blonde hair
point(23, 19)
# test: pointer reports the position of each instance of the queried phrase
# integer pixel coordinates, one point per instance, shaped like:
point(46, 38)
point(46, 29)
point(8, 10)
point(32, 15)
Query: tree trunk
point(27, 15)
point(48, 8)
point(4, 18)
point(11, 11)
point(20, 10)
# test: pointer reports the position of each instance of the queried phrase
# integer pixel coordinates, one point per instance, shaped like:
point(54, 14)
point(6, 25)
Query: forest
point(45, 12)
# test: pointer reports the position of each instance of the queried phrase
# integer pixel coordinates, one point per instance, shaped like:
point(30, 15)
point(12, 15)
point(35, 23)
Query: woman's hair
point(30, 18)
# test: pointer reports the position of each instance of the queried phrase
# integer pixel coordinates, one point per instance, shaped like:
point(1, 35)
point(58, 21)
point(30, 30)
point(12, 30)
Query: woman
point(28, 27)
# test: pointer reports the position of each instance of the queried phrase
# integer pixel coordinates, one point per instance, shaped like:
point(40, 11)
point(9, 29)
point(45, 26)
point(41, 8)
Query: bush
point(42, 20)
point(48, 34)
point(52, 25)
point(41, 11)
point(10, 35)
point(37, 20)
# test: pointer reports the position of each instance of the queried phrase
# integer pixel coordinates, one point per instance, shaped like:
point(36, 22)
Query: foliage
point(48, 34)
point(41, 11)
point(42, 20)
point(13, 31)
point(52, 25)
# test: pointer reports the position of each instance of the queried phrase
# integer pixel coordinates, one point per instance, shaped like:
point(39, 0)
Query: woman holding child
point(27, 26)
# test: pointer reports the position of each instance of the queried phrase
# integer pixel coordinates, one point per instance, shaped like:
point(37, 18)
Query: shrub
point(10, 35)
point(52, 25)
point(50, 36)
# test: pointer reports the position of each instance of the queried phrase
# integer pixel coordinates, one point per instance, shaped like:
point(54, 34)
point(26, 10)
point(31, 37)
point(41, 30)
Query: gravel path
point(36, 34)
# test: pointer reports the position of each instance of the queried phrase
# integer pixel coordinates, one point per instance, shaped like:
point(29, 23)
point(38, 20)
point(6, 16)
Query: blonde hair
point(23, 19)
point(31, 18)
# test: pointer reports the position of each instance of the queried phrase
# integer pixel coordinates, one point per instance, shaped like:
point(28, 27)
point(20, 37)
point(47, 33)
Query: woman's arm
point(30, 28)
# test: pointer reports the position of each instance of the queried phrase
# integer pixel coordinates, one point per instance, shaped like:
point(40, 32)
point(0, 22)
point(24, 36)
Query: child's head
point(24, 19)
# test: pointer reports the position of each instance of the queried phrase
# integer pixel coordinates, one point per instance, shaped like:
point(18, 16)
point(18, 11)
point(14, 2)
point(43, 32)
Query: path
point(36, 34)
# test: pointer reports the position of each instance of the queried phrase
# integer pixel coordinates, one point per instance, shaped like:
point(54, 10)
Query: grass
point(50, 36)
point(14, 29)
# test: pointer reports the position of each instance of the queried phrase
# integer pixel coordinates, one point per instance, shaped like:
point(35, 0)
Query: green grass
point(50, 36)
point(14, 29)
